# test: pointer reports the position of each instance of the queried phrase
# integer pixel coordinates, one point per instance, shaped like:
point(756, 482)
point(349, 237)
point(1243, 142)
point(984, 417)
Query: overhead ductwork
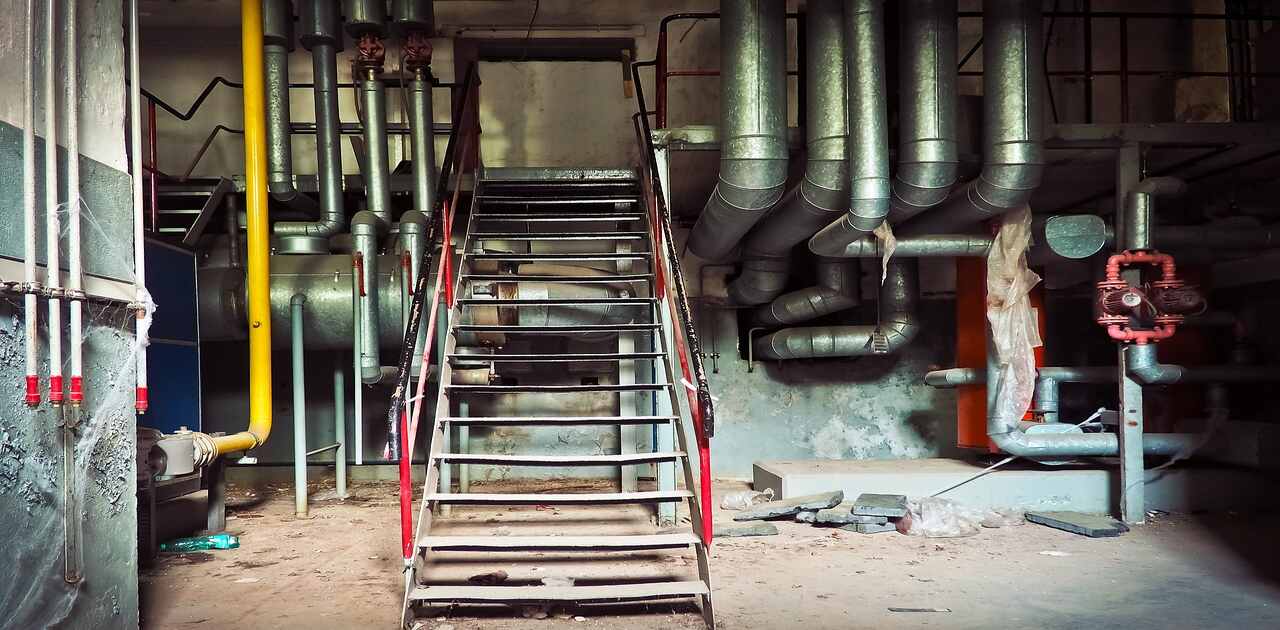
point(897, 326)
point(823, 194)
point(868, 145)
point(1012, 135)
point(837, 290)
point(753, 125)
point(927, 153)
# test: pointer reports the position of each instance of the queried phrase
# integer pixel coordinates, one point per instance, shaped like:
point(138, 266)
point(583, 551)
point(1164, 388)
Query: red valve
point(1118, 301)
point(55, 390)
point(140, 403)
point(77, 390)
point(33, 390)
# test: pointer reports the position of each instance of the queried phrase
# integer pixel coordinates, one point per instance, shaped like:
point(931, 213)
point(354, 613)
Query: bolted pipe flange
point(371, 54)
point(417, 51)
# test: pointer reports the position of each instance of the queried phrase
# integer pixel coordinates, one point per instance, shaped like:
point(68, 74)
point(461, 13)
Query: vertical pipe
point(324, 67)
point(74, 278)
point(373, 99)
point(660, 79)
point(296, 304)
point(365, 229)
point(1124, 70)
point(422, 142)
point(53, 231)
point(153, 156)
point(340, 425)
point(257, 272)
point(357, 394)
point(139, 260)
point(30, 314)
point(1087, 9)
point(1133, 232)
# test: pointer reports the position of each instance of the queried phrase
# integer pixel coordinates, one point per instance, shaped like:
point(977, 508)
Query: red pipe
point(153, 151)
point(406, 490)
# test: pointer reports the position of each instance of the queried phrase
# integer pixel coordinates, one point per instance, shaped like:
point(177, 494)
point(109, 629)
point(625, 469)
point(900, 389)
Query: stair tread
point(608, 387)
point(615, 278)
point(504, 459)
point(513, 543)
point(558, 236)
point(496, 328)
point(554, 358)
point(639, 301)
point(555, 199)
point(565, 217)
point(586, 256)
point(586, 498)
point(560, 420)
point(585, 593)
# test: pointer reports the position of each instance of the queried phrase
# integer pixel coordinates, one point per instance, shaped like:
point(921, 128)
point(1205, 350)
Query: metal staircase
point(559, 276)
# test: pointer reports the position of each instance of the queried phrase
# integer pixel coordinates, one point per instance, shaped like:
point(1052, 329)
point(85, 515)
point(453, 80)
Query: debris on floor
point(890, 505)
point(489, 579)
point(937, 517)
point(1091, 525)
point(745, 499)
point(870, 528)
point(919, 610)
point(200, 543)
point(790, 507)
point(743, 531)
point(843, 514)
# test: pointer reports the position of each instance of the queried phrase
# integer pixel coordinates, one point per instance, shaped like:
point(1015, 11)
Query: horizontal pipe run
point(941, 245)
point(837, 290)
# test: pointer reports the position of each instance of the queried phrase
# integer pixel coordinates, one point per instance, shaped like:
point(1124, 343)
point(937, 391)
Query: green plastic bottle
point(200, 543)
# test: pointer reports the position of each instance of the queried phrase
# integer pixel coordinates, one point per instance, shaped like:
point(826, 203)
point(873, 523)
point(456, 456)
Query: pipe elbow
point(954, 377)
point(1143, 366)
point(899, 330)
point(918, 186)
point(763, 278)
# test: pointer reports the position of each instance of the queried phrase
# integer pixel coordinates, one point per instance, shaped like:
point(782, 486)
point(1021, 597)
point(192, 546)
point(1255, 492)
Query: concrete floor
point(340, 568)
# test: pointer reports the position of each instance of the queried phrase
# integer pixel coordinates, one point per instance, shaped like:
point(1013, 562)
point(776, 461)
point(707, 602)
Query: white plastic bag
point(889, 243)
point(738, 501)
point(936, 517)
point(1014, 331)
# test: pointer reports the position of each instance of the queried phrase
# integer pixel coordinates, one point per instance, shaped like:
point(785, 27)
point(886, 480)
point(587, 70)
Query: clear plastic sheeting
point(1014, 333)
point(936, 517)
point(888, 244)
point(739, 501)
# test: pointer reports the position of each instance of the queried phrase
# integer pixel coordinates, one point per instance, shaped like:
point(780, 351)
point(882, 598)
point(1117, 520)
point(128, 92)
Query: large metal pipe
point(823, 194)
point(898, 325)
point(422, 142)
point(927, 149)
point(411, 15)
point(837, 290)
point(413, 241)
point(868, 145)
point(366, 230)
point(933, 246)
point(1143, 366)
point(319, 32)
point(277, 35)
point(259, 247)
point(753, 125)
point(377, 177)
point(1013, 151)
point(296, 305)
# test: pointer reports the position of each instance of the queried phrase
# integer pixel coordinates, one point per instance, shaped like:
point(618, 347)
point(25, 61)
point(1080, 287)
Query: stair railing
point(667, 265)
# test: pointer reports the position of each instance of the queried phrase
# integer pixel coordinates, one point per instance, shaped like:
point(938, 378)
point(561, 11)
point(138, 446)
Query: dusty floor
point(341, 569)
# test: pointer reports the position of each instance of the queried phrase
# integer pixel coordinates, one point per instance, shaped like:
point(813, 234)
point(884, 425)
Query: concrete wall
point(33, 593)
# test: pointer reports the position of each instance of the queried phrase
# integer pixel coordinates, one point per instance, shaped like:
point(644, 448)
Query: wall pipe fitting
point(53, 230)
point(257, 270)
point(319, 33)
point(30, 315)
point(277, 34)
point(299, 370)
point(837, 290)
point(753, 125)
point(898, 324)
point(823, 194)
point(928, 156)
point(366, 229)
point(868, 145)
point(1012, 134)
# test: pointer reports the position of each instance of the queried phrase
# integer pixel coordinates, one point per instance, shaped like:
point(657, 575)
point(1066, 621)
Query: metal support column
point(299, 407)
point(340, 426)
point(1132, 475)
point(666, 432)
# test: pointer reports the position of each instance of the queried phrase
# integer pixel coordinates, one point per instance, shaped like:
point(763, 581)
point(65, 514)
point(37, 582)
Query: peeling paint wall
point(33, 593)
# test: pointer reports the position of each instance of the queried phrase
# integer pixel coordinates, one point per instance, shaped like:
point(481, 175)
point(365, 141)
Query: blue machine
point(173, 358)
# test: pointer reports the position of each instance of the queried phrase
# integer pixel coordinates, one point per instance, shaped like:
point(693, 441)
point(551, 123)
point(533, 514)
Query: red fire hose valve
point(1163, 302)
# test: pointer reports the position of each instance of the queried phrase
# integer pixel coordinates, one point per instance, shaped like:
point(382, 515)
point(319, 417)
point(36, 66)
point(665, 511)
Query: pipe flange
point(74, 295)
point(205, 451)
point(371, 54)
point(417, 51)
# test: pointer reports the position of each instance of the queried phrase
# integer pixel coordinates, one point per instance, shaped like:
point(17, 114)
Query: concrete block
point(890, 505)
point(806, 516)
point(1091, 525)
point(743, 531)
point(871, 528)
point(843, 515)
point(791, 507)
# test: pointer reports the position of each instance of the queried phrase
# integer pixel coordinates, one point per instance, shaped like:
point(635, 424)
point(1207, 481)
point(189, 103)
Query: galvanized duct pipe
point(413, 240)
point(377, 175)
point(1142, 365)
point(366, 229)
point(927, 149)
point(868, 145)
point(422, 142)
point(935, 246)
point(319, 33)
point(753, 124)
point(897, 323)
point(1013, 151)
point(411, 15)
point(824, 192)
point(837, 290)
point(277, 37)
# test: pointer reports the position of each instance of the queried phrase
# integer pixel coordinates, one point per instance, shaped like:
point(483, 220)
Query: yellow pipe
point(257, 274)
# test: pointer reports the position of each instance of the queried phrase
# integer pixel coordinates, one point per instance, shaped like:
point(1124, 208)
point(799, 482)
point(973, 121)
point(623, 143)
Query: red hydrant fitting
point(1118, 301)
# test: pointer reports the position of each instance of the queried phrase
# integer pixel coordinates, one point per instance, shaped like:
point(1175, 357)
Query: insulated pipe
point(377, 176)
point(413, 240)
point(321, 35)
point(277, 26)
point(296, 306)
point(1013, 151)
point(257, 271)
point(934, 246)
point(868, 145)
point(1144, 367)
point(357, 396)
point(75, 279)
point(897, 326)
point(753, 125)
point(340, 426)
point(30, 313)
point(365, 231)
point(409, 15)
point(53, 230)
point(139, 258)
point(823, 194)
point(422, 143)
point(837, 290)
point(927, 149)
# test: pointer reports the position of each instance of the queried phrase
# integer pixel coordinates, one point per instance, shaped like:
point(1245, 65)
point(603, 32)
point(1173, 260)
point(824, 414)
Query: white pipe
point(74, 280)
point(53, 231)
point(357, 395)
point(30, 314)
point(296, 305)
point(135, 143)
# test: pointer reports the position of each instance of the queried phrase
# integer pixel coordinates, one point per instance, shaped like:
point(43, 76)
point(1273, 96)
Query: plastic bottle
point(201, 543)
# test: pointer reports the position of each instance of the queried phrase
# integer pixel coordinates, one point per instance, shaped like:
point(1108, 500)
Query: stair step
point(561, 543)
point(610, 279)
point(495, 459)
point(560, 420)
point(550, 330)
point(519, 200)
point(586, 593)
point(559, 236)
point(580, 357)
point(184, 193)
point(606, 498)
point(555, 389)
point(567, 217)
point(618, 301)
point(164, 211)
point(584, 257)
